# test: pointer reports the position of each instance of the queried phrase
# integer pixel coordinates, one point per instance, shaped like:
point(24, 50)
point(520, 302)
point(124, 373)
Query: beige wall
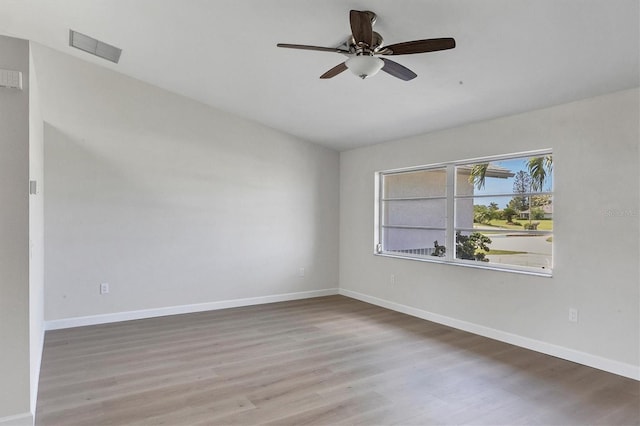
point(14, 234)
point(596, 236)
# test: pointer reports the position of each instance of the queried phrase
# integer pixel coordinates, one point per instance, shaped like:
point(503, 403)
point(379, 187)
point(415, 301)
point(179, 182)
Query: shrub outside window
point(493, 212)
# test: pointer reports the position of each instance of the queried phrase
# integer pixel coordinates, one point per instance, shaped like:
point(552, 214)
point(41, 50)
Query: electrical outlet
point(573, 315)
point(104, 288)
point(392, 279)
point(301, 272)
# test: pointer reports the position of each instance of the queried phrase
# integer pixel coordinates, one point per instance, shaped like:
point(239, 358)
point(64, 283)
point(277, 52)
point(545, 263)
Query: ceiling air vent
point(93, 46)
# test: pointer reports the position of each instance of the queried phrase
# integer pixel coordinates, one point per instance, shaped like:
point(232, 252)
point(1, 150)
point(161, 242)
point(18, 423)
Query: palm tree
point(477, 175)
point(539, 169)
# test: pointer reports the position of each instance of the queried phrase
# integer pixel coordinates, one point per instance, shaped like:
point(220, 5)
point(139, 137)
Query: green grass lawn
point(501, 252)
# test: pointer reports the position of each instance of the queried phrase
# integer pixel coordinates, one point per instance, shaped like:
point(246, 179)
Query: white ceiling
point(511, 56)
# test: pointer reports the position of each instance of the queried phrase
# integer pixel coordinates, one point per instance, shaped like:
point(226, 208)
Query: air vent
point(93, 46)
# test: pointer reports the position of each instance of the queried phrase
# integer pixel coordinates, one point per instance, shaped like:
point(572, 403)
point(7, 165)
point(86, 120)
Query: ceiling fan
point(364, 46)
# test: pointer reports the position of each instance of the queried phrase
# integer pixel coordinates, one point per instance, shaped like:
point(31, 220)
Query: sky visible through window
point(505, 186)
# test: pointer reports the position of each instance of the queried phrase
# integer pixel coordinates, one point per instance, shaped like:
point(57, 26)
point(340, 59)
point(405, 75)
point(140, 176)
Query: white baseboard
point(612, 366)
point(24, 419)
point(182, 309)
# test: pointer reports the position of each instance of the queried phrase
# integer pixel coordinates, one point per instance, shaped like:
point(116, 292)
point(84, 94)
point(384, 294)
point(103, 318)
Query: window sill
point(470, 265)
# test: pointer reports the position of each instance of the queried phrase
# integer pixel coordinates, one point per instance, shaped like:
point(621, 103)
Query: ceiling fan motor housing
point(364, 49)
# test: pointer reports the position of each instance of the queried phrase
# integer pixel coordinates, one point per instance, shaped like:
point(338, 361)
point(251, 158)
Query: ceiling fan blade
point(305, 47)
point(361, 27)
point(397, 70)
point(419, 46)
point(334, 71)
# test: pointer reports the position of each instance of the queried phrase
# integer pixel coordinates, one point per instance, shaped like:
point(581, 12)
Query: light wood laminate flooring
point(329, 360)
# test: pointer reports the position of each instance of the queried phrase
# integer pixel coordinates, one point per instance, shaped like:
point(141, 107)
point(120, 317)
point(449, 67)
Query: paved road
point(537, 247)
point(535, 244)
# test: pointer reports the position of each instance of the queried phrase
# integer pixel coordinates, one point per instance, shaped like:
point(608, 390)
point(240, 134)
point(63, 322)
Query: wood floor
point(330, 361)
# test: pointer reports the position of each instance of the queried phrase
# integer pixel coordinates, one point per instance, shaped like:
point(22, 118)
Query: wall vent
point(93, 46)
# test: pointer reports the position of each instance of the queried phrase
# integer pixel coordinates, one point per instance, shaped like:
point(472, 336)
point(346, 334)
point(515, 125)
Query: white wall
point(172, 202)
point(14, 236)
point(36, 235)
point(595, 150)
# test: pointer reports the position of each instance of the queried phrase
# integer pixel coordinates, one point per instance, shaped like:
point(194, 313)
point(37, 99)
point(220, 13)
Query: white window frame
point(450, 230)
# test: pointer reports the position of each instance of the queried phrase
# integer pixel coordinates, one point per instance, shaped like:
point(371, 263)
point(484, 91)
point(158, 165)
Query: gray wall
point(172, 202)
point(14, 233)
point(596, 236)
point(36, 233)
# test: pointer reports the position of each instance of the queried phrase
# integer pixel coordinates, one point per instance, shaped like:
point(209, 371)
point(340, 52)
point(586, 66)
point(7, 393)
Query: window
point(493, 212)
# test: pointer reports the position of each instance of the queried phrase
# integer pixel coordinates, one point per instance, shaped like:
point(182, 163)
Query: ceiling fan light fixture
point(364, 66)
